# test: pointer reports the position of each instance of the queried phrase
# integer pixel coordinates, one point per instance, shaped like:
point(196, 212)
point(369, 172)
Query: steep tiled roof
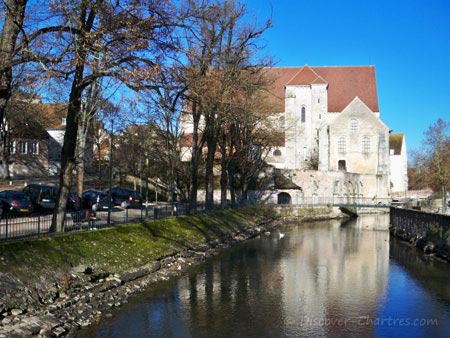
point(282, 182)
point(344, 84)
point(396, 142)
point(24, 121)
point(51, 114)
point(278, 77)
point(305, 77)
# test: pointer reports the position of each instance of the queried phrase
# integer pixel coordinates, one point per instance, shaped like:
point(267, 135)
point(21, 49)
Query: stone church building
point(333, 145)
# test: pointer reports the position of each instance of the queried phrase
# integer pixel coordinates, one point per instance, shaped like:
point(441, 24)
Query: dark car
point(95, 197)
point(43, 197)
point(73, 201)
point(15, 202)
point(126, 198)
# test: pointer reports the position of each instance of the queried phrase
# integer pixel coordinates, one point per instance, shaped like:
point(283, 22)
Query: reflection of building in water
point(292, 286)
point(337, 274)
point(222, 299)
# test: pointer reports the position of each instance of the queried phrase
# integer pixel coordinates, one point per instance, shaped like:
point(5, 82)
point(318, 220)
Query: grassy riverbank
point(121, 248)
point(55, 285)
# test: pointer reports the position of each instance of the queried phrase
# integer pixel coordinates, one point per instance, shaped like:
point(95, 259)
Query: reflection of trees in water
point(431, 273)
point(227, 296)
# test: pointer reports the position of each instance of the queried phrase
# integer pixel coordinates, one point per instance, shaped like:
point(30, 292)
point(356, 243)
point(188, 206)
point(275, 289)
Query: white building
point(398, 163)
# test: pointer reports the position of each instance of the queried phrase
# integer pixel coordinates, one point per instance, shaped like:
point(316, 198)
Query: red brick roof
point(344, 84)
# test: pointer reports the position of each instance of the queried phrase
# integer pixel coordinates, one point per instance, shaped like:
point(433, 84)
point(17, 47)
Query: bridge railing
point(342, 201)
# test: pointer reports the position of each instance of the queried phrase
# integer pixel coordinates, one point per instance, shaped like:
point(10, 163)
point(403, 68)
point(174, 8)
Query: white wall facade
point(302, 136)
point(399, 170)
point(365, 138)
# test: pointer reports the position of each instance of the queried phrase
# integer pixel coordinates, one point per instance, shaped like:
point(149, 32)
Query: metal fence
point(14, 227)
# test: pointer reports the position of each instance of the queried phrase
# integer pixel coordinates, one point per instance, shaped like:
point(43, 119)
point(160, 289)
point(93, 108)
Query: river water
point(322, 279)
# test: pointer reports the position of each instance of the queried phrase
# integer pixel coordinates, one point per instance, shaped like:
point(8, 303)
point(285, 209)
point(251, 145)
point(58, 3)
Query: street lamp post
point(110, 171)
point(156, 190)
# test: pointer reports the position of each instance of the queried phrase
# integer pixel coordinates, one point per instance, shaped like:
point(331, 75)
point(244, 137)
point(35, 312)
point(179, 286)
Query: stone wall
point(340, 184)
point(428, 231)
point(304, 212)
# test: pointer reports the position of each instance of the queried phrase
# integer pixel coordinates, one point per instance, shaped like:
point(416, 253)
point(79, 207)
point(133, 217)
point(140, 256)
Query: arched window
point(342, 147)
point(277, 152)
point(366, 145)
point(303, 114)
point(353, 125)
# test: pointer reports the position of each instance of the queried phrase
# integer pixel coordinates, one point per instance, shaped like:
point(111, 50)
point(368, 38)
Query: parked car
point(126, 198)
point(73, 201)
point(95, 197)
point(43, 197)
point(15, 202)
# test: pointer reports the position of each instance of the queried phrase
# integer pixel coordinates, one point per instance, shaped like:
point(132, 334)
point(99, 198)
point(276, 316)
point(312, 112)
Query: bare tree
point(167, 108)
point(129, 37)
point(433, 159)
point(220, 49)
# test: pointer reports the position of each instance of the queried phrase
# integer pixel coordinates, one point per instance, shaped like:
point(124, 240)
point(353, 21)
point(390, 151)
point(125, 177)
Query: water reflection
point(328, 279)
point(335, 276)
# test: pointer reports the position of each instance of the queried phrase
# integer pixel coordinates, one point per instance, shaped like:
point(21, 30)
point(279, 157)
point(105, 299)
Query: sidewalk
point(19, 184)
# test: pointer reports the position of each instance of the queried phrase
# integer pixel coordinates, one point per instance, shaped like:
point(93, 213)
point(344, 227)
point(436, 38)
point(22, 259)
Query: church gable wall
point(358, 138)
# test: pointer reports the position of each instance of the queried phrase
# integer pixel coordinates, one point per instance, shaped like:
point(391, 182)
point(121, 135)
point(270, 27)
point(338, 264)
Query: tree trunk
point(244, 191)
point(68, 162)
point(85, 118)
point(194, 160)
point(444, 199)
point(209, 171)
point(81, 148)
point(223, 179)
point(5, 167)
point(6, 140)
point(12, 26)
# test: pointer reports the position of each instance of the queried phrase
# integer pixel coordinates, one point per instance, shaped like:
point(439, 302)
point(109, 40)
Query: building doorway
point(284, 198)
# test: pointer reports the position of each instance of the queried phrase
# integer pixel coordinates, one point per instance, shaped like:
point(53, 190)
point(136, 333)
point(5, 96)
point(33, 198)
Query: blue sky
point(407, 41)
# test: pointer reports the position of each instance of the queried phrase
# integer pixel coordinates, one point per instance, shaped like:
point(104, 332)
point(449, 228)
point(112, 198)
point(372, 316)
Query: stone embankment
point(66, 308)
point(53, 287)
point(427, 231)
